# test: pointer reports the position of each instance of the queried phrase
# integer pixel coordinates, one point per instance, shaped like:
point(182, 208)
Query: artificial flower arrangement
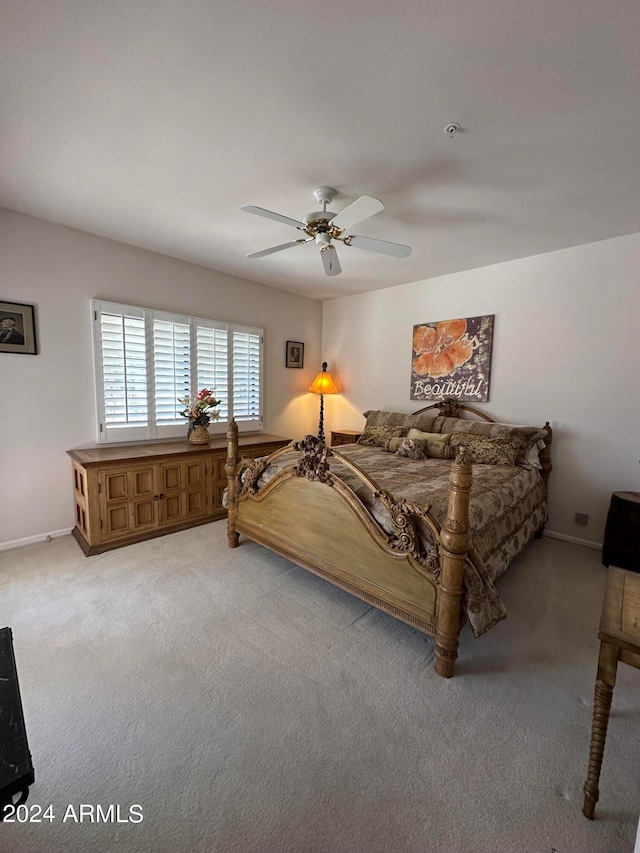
point(200, 410)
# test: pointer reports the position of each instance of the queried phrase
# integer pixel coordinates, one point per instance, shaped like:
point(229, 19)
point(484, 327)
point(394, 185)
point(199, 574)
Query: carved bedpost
point(455, 541)
point(232, 485)
point(545, 456)
point(545, 461)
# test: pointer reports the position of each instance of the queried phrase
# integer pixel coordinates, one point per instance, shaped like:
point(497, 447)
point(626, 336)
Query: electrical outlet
point(581, 518)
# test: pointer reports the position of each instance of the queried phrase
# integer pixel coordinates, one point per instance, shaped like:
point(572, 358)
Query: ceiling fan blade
point(362, 208)
point(269, 214)
point(279, 248)
point(330, 260)
point(383, 247)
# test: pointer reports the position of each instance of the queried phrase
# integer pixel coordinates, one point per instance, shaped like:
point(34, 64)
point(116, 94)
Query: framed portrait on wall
point(452, 358)
point(17, 328)
point(294, 355)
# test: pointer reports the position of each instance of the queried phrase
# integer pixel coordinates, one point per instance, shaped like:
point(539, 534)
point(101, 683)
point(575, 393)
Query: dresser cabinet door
point(196, 489)
point(183, 493)
point(128, 502)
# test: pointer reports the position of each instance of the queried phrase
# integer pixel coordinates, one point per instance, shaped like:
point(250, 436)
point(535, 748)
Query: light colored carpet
point(247, 705)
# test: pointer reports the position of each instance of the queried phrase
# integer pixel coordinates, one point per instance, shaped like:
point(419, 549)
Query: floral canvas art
point(452, 358)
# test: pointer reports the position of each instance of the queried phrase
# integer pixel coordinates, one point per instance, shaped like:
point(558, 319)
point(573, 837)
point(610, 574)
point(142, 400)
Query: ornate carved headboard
point(451, 408)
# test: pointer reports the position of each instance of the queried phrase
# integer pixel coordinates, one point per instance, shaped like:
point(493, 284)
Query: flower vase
point(199, 435)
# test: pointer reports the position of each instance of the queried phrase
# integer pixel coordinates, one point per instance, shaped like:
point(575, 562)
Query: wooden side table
point(621, 545)
point(619, 641)
point(344, 436)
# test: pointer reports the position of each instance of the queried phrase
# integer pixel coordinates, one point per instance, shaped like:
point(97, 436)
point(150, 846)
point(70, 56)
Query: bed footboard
point(309, 515)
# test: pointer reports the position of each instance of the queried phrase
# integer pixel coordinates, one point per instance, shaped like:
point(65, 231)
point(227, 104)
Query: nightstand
point(344, 436)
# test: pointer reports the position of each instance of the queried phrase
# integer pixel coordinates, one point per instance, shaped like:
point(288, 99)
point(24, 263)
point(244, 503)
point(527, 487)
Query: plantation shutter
point(212, 364)
point(247, 352)
point(171, 368)
point(120, 338)
point(147, 361)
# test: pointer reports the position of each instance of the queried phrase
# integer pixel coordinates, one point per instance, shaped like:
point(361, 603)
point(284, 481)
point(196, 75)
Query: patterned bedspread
point(506, 507)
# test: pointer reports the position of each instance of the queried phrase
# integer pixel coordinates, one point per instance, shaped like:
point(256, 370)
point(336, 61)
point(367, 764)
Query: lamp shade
point(323, 383)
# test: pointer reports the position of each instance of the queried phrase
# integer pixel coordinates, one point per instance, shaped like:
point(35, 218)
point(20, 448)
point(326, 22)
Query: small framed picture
point(294, 354)
point(17, 328)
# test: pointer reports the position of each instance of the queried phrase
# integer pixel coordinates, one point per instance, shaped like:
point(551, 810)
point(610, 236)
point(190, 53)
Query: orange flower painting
point(439, 351)
point(451, 358)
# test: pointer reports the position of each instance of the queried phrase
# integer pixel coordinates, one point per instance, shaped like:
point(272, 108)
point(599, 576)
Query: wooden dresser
point(134, 492)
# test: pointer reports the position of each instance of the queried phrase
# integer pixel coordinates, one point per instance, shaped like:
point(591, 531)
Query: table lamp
point(322, 384)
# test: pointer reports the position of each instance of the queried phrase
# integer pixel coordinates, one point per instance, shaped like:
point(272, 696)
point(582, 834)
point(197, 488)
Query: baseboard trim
point(30, 540)
point(597, 546)
point(43, 537)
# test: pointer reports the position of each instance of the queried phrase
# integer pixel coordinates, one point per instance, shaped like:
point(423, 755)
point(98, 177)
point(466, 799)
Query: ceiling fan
point(323, 226)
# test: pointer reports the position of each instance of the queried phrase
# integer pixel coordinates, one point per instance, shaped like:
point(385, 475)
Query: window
point(146, 360)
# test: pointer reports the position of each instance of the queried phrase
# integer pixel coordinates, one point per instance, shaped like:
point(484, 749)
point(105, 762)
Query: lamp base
point(321, 421)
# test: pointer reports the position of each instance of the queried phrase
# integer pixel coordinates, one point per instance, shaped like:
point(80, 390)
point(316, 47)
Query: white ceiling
point(153, 121)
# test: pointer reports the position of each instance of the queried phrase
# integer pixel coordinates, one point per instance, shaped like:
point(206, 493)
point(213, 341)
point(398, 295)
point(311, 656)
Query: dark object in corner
point(16, 769)
point(622, 533)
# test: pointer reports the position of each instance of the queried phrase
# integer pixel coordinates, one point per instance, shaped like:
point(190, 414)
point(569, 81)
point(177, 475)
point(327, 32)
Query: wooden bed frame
point(308, 515)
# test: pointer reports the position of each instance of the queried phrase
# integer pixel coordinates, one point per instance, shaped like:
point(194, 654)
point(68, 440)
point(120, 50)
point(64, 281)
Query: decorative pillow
point(528, 435)
point(436, 444)
point(377, 436)
point(410, 448)
point(393, 444)
point(531, 441)
point(428, 436)
point(484, 450)
point(428, 423)
point(439, 449)
point(533, 459)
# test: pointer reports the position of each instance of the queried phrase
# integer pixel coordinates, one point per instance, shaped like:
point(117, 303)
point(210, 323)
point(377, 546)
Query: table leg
point(605, 682)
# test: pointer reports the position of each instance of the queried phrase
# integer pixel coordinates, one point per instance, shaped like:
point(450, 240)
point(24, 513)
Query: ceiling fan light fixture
point(322, 226)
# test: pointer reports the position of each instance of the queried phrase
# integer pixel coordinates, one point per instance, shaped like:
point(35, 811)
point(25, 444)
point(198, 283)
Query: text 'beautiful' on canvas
point(452, 358)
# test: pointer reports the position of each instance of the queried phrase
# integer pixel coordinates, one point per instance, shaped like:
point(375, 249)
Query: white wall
point(566, 349)
point(47, 401)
